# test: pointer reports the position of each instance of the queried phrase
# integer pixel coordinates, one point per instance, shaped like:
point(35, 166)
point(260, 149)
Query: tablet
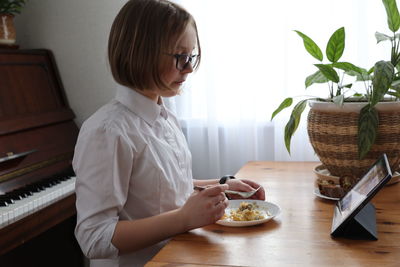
point(366, 188)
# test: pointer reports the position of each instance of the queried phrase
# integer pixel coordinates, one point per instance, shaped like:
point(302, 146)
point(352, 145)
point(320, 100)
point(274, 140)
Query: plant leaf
point(329, 72)
point(293, 122)
point(316, 77)
point(287, 102)
point(338, 100)
point(382, 37)
point(395, 94)
point(348, 85)
point(395, 84)
point(363, 77)
point(383, 76)
point(393, 17)
point(353, 70)
point(368, 123)
point(348, 67)
point(335, 46)
point(311, 47)
point(11, 6)
point(359, 77)
point(289, 131)
point(371, 70)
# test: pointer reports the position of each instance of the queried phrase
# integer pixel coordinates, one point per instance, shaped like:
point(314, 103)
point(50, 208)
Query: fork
point(240, 193)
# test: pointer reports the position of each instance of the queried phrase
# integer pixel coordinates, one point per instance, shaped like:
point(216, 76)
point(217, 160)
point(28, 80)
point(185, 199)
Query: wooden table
point(299, 236)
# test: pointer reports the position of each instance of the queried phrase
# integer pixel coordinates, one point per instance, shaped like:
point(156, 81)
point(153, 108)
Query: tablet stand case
point(361, 226)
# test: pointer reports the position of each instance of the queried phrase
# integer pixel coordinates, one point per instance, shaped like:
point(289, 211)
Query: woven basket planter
point(333, 134)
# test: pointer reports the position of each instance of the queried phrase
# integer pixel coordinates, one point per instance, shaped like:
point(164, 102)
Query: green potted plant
point(349, 141)
point(8, 9)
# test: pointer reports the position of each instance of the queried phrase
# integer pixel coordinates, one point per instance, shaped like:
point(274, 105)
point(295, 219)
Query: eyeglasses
point(183, 60)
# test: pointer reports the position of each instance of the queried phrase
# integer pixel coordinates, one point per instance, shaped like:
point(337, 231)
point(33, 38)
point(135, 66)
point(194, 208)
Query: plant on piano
point(380, 83)
point(11, 7)
point(8, 9)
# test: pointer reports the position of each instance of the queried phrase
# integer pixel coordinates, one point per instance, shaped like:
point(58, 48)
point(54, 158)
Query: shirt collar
point(142, 106)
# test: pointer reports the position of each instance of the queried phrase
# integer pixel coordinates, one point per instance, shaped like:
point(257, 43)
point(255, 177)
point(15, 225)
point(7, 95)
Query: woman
point(134, 178)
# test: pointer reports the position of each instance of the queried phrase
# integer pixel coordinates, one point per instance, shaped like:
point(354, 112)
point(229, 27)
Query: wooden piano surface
point(37, 139)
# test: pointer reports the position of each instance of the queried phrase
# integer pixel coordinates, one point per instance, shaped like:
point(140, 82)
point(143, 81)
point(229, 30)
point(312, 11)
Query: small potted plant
point(349, 141)
point(8, 9)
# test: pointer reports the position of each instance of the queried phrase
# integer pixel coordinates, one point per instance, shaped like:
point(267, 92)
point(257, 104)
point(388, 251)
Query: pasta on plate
point(246, 212)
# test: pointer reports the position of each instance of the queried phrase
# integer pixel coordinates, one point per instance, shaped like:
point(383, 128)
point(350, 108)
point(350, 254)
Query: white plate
point(318, 194)
point(263, 207)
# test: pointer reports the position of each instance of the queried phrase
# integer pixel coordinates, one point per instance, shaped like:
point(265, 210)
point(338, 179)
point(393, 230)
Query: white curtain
point(251, 60)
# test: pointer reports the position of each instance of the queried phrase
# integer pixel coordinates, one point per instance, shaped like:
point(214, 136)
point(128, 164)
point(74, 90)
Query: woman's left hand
point(245, 185)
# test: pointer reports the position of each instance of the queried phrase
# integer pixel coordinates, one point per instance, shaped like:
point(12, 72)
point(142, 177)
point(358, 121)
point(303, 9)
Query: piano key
point(25, 207)
point(30, 204)
point(6, 199)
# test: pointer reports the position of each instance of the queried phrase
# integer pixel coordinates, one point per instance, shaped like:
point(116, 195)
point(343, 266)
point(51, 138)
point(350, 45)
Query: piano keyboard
point(27, 200)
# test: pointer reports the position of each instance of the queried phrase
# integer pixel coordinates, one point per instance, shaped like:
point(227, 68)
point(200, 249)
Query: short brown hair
point(142, 31)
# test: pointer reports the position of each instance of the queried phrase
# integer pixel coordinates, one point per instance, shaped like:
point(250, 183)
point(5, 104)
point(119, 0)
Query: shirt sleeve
point(103, 163)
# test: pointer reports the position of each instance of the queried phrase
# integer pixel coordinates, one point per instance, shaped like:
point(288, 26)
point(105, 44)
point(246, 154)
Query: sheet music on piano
point(37, 140)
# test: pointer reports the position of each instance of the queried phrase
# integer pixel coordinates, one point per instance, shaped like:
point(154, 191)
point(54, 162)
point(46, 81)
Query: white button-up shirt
point(131, 161)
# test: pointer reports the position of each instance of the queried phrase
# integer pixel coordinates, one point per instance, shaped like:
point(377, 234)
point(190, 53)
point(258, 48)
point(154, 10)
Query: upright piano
point(37, 139)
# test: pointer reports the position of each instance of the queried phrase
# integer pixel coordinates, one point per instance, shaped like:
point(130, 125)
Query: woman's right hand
point(204, 207)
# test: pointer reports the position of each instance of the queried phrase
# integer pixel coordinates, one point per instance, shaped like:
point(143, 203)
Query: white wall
point(76, 31)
